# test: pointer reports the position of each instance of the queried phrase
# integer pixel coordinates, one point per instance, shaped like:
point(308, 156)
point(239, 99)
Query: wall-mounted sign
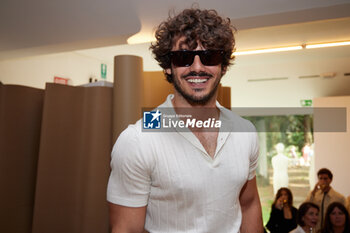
point(103, 71)
point(61, 80)
point(306, 103)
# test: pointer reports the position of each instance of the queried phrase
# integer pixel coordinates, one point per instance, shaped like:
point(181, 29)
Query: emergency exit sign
point(306, 103)
point(103, 71)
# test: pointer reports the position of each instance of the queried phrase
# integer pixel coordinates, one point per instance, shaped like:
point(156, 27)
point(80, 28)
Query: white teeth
point(197, 80)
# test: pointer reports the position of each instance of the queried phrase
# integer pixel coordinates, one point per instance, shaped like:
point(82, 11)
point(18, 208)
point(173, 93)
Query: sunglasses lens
point(212, 57)
point(182, 58)
point(208, 57)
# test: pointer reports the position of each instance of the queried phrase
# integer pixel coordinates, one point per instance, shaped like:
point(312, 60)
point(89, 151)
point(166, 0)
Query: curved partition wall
point(127, 92)
point(20, 123)
point(73, 162)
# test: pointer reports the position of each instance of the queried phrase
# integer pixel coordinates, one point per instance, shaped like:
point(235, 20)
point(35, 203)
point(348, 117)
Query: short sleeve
point(254, 156)
point(130, 179)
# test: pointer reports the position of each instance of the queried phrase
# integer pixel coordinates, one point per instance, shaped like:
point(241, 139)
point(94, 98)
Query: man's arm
point(126, 219)
point(251, 208)
point(311, 195)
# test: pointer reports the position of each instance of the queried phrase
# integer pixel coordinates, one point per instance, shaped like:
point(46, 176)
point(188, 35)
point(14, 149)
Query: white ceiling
point(40, 26)
point(257, 38)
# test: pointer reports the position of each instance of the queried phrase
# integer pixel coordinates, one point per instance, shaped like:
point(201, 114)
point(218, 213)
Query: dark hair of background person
point(325, 171)
point(196, 25)
point(303, 208)
point(279, 194)
point(327, 227)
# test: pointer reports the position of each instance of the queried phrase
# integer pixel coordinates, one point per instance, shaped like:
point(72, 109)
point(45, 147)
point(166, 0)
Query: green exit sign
point(103, 71)
point(306, 103)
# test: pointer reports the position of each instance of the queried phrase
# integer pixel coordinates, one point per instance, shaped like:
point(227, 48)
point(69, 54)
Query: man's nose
point(197, 64)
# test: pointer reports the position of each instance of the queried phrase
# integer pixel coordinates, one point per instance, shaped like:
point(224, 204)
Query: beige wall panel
point(332, 148)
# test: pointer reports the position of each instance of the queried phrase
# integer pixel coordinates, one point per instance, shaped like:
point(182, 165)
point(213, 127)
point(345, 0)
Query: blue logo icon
point(152, 120)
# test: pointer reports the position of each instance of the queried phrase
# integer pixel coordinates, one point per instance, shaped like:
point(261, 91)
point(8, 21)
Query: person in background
point(307, 218)
point(323, 194)
point(280, 168)
point(306, 154)
point(294, 156)
point(336, 219)
point(283, 217)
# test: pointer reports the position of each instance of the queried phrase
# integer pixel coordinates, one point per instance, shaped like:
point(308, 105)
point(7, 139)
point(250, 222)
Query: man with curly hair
point(195, 181)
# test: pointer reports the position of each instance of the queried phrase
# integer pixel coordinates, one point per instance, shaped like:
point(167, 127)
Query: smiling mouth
point(197, 80)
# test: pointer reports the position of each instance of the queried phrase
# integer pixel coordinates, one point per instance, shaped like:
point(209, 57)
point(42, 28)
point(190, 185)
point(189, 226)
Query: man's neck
point(203, 112)
point(326, 189)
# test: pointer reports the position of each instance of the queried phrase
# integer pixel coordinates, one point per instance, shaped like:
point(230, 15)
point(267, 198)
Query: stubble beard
point(196, 100)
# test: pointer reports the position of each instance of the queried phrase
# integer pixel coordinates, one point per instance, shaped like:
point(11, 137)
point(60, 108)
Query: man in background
point(323, 194)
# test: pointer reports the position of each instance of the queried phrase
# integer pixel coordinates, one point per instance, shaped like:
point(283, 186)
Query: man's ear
point(223, 70)
point(168, 71)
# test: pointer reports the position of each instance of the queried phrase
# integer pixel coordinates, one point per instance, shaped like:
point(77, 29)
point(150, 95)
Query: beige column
point(127, 92)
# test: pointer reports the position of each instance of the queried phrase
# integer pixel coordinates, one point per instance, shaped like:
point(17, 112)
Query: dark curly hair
point(204, 26)
point(325, 171)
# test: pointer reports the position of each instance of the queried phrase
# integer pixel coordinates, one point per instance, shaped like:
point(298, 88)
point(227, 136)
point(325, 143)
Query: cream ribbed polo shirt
point(184, 188)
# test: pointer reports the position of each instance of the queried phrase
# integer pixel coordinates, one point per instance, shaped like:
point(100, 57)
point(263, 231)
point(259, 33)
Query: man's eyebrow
point(183, 45)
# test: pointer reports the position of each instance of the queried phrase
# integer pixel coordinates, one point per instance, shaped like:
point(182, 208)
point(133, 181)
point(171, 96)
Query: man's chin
point(198, 100)
point(196, 96)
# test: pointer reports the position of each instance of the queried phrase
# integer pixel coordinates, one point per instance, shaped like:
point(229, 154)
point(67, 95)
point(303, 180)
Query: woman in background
point(307, 218)
point(283, 213)
point(336, 219)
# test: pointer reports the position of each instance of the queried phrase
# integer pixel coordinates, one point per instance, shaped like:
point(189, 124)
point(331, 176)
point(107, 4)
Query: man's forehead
point(180, 43)
point(323, 176)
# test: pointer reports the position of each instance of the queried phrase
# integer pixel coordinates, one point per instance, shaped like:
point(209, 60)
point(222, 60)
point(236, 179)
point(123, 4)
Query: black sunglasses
point(186, 57)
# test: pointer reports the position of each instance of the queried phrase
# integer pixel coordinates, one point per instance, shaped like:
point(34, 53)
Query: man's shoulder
point(133, 131)
point(336, 195)
point(313, 197)
point(134, 137)
point(132, 145)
